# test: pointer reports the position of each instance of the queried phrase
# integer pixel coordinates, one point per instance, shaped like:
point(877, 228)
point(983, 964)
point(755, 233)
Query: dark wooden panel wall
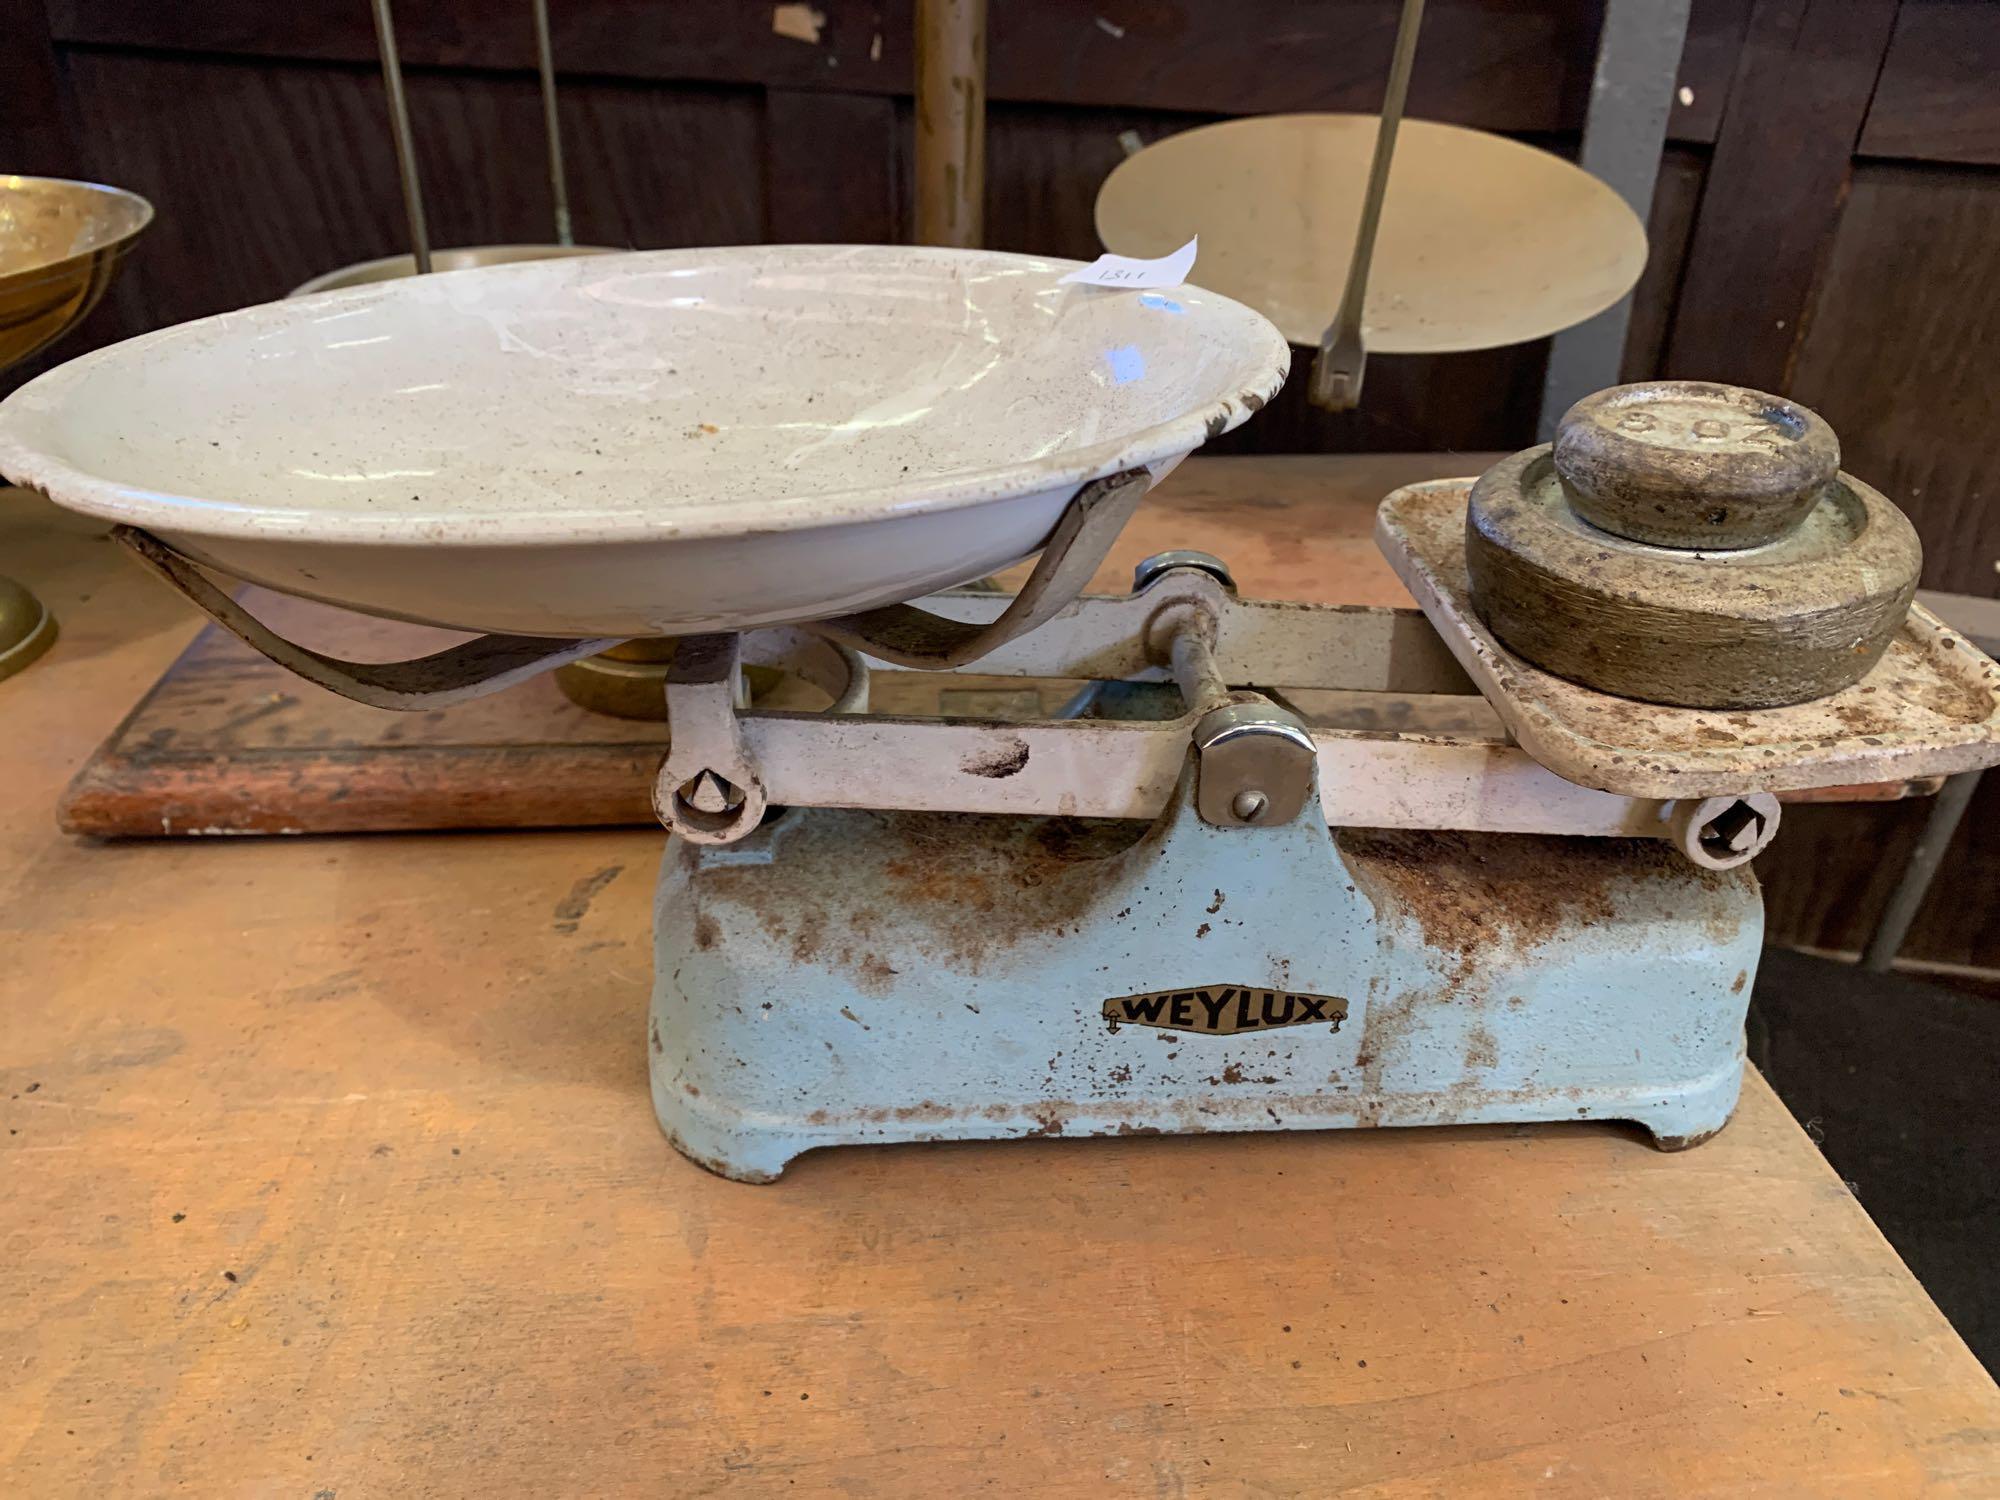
point(1826, 223)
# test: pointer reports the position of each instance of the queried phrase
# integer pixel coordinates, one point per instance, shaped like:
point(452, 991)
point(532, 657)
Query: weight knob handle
point(1693, 465)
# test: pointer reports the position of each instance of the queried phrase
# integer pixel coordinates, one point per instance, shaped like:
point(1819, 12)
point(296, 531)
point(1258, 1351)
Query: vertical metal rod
point(1624, 129)
point(399, 128)
point(1191, 655)
point(951, 122)
point(546, 62)
point(1908, 897)
point(1337, 372)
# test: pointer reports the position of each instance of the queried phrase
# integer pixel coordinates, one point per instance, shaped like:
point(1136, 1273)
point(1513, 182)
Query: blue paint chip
point(1127, 363)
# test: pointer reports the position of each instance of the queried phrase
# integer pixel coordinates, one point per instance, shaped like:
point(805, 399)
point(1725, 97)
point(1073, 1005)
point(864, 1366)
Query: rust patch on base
point(718, 1166)
point(1387, 1024)
point(1470, 892)
point(1482, 1048)
point(873, 974)
point(961, 887)
point(1688, 1142)
point(1008, 758)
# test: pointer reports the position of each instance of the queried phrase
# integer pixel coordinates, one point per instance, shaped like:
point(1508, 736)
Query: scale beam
point(1183, 625)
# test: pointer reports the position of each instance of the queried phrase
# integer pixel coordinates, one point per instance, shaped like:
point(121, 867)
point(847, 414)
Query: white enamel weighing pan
point(658, 443)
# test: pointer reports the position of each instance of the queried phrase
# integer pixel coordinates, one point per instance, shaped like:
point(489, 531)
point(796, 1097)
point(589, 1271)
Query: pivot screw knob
point(1255, 765)
point(1689, 464)
point(1248, 805)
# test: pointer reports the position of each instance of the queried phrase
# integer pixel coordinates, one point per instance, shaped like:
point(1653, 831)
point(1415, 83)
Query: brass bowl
point(467, 258)
point(627, 682)
point(26, 628)
point(60, 245)
point(630, 681)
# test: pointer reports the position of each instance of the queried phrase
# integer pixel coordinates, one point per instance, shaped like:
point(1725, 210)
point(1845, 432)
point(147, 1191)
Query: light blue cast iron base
point(844, 977)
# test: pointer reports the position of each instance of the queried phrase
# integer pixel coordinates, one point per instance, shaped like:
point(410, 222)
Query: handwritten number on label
point(1126, 271)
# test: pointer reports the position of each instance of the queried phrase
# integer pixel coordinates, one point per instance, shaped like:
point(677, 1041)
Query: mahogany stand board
point(227, 742)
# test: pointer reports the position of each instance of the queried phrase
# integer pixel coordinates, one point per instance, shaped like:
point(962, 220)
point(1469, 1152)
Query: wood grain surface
point(331, 1172)
point(31, 114)
point(1523, 66)
point(808, 204)
point(1935, 100)
point(1902, 372)
point(1782, 160)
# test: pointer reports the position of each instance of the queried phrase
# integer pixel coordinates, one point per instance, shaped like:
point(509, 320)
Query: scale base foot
point(757, 1150)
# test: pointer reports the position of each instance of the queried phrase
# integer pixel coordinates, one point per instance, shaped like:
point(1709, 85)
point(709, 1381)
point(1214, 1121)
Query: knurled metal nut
point(1690, 464)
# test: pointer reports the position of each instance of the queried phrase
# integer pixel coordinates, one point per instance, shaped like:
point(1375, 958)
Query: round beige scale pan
point(1484, 241)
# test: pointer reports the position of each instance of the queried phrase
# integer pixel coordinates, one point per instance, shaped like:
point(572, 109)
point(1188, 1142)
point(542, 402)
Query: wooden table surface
point(330, 1172)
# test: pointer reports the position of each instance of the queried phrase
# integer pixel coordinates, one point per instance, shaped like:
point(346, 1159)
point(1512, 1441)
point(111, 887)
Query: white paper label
point(1127, 271)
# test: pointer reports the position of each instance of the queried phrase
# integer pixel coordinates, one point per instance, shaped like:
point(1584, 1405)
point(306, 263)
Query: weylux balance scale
point(1277, 867)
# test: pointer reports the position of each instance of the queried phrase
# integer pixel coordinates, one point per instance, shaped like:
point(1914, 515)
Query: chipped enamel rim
point(1242, 384)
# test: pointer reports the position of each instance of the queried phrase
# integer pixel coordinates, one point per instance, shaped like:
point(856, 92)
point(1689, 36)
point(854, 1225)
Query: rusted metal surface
point(709, 789)
point(1930, 706)
point(1127, 768)
point(1274, 642)
point(1177, 625)
point(1474, 895)
point(954, 887)
point(858, 976)
point(1691, 543)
